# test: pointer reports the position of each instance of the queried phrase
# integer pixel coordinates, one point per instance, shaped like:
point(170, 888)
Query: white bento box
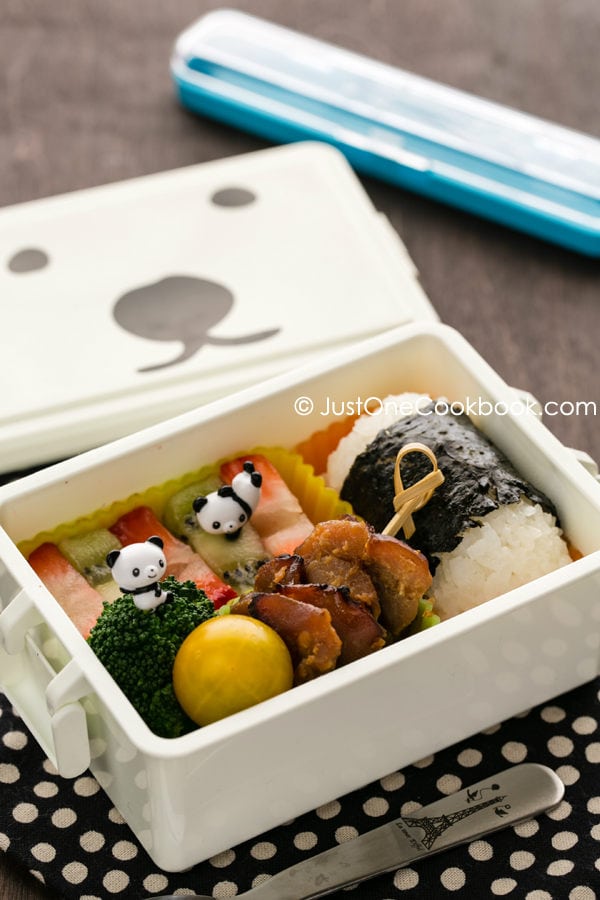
point(190, 798)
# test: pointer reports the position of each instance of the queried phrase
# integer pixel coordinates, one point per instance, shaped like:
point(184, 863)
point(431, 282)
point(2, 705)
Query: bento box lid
point(128, 303)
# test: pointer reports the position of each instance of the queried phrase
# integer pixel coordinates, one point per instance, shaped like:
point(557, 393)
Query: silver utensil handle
point(504, 799)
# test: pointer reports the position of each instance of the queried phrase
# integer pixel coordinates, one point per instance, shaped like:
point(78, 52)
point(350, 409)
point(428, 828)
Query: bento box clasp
point(19, 617)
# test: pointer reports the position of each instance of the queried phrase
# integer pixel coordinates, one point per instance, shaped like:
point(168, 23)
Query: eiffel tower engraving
point(434, 826)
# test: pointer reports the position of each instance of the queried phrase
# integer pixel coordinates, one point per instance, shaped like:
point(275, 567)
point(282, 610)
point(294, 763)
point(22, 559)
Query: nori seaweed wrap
point(478, 479)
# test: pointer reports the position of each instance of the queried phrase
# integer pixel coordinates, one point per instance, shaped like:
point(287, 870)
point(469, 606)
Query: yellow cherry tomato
point(228, 664)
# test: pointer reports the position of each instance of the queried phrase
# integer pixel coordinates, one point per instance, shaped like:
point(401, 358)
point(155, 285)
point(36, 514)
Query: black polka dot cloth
point(67, 833)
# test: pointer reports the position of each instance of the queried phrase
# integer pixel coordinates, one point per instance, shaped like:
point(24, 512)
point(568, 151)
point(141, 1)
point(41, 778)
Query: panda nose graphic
point(151, 571)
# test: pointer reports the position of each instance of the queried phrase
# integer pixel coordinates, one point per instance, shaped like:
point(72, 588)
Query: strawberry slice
point(278, 518)
point(79, 600)
point(182, 563)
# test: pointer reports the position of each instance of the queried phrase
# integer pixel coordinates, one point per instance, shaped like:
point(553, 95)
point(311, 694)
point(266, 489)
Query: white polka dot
point(263, 850)
point(595, 832)
point(406, 879)
point(225, 889)
point(43, 852)
point(9, 773)
point(376, 806)
point(538, 895)
point(37, 875)
point(97, 747)
point(560, 867)
point(448, 784)
point(514, 751)
point(260, 879)
point(155, 883)
point(124, 850)
point(345, 833)
point(453, 878)
point(329, 810)
point(523, 714)
point(15, 740)
point(521, 859)
point(64, 817)
point(220, 860)
point(593, 805)
point(305, 840)
point(492, 729)
point(86, 787)
point(116, 881)
point(502, 886)
point(25, 813)
point(527, 829)
point(582, 893)
point(564, 840)
point(410, 808)
point(392, 782)
point(180, 892)
point(562, 811)
point(592, 753)
point(49, 767)
point(74, 872)
point(561, 746)
point(481, 850)
point(424, 762)
point(46, 789)
point(92, 841)
point(552, 714)
point(584, 725)
point(4, 841)
point(469, 758)
point(115, 816)
point(568, 774)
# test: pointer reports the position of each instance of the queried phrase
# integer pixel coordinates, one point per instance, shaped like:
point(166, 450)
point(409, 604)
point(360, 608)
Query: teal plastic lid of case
point(497, 162)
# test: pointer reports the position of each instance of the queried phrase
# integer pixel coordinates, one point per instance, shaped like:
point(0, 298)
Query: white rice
point(391, 409)
point(514, 545)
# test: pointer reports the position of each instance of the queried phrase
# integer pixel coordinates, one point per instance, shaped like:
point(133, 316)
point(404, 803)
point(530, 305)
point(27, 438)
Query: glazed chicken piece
point(401, 576)
point(358, 631)
point(277, 571)
point(333, 554)
point(306, 631)
point(378, 570)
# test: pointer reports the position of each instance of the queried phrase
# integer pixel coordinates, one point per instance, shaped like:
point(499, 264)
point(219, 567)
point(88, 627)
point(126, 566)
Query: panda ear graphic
point(249, 467)
point(225, 491)
point(112, 557)
point(199, 503)
point(155, 539)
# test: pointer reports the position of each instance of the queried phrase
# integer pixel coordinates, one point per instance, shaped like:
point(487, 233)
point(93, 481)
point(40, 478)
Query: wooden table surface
point(86, 99)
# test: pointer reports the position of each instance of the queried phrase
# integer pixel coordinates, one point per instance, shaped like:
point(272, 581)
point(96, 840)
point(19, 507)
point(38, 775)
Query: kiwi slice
point(87, 553)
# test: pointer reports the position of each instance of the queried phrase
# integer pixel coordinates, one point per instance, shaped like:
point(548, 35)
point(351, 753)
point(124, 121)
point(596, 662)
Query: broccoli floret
point(138, 648)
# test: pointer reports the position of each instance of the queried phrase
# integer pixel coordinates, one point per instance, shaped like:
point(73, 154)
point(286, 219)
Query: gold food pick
point(409, 500)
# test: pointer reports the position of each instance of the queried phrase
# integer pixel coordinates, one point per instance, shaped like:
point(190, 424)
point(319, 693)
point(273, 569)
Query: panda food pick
point(138, 568)
point(226, 510)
